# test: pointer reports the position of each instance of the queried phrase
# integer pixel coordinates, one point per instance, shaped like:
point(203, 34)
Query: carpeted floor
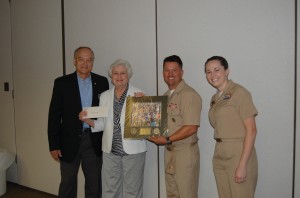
point(17, 191)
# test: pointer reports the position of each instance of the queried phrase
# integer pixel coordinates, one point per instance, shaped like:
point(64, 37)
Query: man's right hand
point(56, 154)
point(89, 121)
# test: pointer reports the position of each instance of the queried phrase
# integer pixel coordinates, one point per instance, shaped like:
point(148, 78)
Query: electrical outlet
point(6, 86)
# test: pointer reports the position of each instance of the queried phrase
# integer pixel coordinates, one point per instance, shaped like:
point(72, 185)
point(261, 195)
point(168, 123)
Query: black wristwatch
point(169, 142)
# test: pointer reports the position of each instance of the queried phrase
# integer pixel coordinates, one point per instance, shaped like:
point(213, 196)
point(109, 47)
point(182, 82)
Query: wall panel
point(297, 120)
point(37, 60)
point(7, 132)
point(257, 39)
point(117, 29)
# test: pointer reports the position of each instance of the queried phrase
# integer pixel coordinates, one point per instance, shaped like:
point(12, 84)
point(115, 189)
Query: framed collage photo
point(145, 116)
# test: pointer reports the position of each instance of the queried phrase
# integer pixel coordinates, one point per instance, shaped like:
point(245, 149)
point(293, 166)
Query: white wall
point(256, 37)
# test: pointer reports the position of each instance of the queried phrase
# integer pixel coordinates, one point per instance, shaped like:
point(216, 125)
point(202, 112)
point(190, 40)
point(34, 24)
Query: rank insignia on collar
point(227, 96)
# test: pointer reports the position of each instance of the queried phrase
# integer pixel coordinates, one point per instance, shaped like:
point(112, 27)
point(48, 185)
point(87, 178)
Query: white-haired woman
point(123, 159)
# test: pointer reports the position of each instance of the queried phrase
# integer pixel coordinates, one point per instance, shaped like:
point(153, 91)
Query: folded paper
point(96, 112)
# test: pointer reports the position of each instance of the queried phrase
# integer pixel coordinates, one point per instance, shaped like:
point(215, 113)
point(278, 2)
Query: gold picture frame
point(145, 117)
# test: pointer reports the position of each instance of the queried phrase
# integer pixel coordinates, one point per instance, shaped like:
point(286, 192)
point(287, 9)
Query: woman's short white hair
point(119, 62)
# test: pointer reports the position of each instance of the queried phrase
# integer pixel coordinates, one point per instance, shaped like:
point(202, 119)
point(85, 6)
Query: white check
point(96, 112)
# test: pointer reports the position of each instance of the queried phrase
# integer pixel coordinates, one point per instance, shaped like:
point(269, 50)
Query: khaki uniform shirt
point(229, 110)
point(184, 108)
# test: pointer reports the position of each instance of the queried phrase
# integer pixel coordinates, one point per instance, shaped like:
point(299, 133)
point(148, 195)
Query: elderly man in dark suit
point(70, 140)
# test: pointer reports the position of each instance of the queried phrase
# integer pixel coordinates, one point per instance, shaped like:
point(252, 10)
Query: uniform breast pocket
point(173, 111)
point(225, 108)
point(174, 116)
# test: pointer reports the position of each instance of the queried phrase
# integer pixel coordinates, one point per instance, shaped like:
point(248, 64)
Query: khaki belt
point(219, 140)
point(179, 146)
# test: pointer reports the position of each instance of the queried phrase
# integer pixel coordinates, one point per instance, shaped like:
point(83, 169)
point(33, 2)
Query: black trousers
point(91, 166)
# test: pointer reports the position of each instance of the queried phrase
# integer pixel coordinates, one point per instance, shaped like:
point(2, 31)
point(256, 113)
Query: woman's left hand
point(139, 94)
point(240, 174)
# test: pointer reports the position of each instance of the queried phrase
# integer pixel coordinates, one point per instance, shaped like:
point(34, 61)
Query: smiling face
point(172, 74)
point(120, 76)
point(216, 74)
point(83, 61)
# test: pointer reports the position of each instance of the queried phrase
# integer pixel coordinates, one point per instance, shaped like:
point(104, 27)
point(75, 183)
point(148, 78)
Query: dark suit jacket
point(64, 126)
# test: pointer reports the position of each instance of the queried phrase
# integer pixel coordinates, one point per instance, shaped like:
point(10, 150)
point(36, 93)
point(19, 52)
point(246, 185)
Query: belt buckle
point(219, 140)
point(169, 147)
point(86, 130)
